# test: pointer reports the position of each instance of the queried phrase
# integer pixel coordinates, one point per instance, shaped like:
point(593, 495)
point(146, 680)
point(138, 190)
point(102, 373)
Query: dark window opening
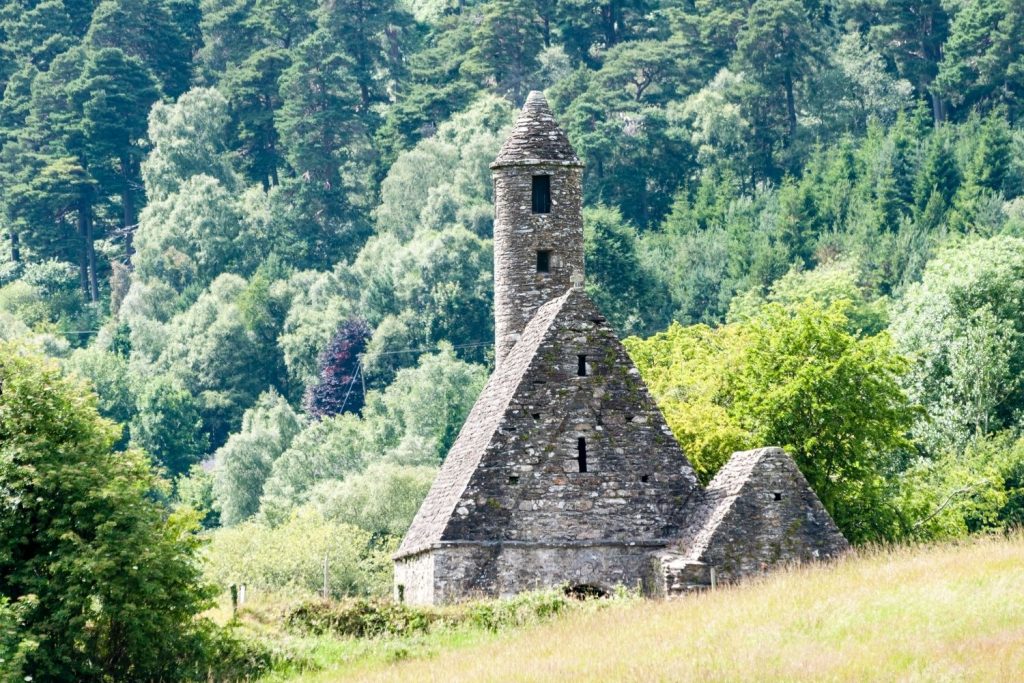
point(513, 480)
point(542, 194)
point(581, 365)
point(401, 592)
point(777, 495)
point(581, 450)
point(645, 479)
point(544, 261)
point(585, 592)
point(536, 416)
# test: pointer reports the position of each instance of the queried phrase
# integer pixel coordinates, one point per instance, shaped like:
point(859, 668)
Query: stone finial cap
point(536, 138)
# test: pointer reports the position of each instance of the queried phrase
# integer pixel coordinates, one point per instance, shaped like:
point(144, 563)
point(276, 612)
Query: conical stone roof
point(536, 138)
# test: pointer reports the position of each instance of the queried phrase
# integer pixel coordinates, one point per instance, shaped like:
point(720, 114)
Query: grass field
point(944, 613)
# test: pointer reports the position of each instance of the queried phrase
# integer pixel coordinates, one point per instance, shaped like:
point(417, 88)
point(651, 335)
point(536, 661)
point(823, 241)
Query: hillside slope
point(953, 612)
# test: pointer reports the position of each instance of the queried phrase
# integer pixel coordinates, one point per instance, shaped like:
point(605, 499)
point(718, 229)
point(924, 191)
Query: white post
point(327, 591)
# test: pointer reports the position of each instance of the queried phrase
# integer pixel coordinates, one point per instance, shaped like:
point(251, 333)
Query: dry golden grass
point(944, 613)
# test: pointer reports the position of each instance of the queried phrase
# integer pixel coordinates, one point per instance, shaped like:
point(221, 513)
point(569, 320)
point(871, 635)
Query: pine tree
point(115, 93)
point(780, 48)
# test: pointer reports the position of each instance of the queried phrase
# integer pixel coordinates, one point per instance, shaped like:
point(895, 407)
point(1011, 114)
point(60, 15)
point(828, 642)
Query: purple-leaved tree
point(338, 388)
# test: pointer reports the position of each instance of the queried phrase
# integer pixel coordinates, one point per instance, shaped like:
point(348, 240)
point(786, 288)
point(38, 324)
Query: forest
point(246, 286)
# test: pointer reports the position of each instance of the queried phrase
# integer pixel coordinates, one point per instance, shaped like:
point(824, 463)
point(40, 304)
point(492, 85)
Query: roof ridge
point(477, 433)
point(719, 497)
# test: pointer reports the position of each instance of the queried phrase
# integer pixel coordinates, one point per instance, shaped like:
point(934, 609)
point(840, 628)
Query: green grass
point(942, 613)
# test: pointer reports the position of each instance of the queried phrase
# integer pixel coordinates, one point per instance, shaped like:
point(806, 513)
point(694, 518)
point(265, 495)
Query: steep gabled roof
point(536, 138)
point(484, 419)
point(711, 509)
point(758, 498)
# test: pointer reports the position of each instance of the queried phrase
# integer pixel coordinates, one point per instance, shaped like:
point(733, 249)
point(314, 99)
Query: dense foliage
point(261, 231)
point(97, 582)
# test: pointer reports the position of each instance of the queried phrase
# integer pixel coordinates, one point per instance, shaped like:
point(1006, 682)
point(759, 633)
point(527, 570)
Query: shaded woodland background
point(260, 231)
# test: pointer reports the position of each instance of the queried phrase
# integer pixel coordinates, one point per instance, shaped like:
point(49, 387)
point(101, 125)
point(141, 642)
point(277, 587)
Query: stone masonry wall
point(475, 571)
point(528, 486)
point(414, 579)
point(758, 513)
point(775, 519)
point(519, 290)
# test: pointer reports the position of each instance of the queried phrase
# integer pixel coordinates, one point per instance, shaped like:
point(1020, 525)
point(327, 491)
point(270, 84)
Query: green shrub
point(360, 618)
point(523, 609)
point(291, 557)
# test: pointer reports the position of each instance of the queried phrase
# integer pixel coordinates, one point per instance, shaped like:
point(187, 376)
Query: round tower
point(538, 225)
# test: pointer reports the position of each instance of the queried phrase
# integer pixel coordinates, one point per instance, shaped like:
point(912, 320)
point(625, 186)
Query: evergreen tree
point(911, 34)
point(145, 29)
point(252, 88)
point(780, 48)
point(324, 138)
point(983, 60)
point(116, 92)
point(506, 42)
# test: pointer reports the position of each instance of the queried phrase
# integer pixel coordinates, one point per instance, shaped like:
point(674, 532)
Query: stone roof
point(708, 513)
point(536, 138)
point(477, 432)
point(723, 513)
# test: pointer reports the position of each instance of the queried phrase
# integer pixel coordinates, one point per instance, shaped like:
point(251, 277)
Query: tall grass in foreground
point(943, 613)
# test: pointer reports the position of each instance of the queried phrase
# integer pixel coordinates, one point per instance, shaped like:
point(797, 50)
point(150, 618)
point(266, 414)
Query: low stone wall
point(414, 579)
point(479, 570)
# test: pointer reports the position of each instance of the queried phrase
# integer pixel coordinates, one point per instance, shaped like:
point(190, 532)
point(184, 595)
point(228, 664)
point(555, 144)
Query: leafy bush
point(525, 608)
point(337, 390)
point(15, 644)
point(360, 618)
point(954, 494)
point(373, 618)
point(797, 379)
point(382, 500)
point(291, 556)
point(102, 578)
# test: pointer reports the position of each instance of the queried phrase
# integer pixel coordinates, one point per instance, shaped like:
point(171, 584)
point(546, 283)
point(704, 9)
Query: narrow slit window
point(581, 450)
point(581, 365)
point(542, 194)
point(544, 261)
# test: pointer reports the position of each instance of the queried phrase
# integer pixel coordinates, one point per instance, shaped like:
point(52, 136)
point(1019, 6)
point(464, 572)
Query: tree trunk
point(15, 247)
point(790, 106)
point(83, 259)
point(94, 289)
point(127, 209)
point(938, 108)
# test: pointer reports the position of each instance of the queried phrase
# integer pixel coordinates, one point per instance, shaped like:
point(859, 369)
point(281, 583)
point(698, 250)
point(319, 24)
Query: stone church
point(565, 472)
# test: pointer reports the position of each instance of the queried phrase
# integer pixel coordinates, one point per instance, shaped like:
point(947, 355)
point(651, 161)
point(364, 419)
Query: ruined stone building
point(565, 472)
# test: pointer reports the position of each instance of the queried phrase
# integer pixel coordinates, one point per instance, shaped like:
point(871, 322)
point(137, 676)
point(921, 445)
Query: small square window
point(513, 480)
point(777, 496)
point(544, 261)
point(542, 194)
